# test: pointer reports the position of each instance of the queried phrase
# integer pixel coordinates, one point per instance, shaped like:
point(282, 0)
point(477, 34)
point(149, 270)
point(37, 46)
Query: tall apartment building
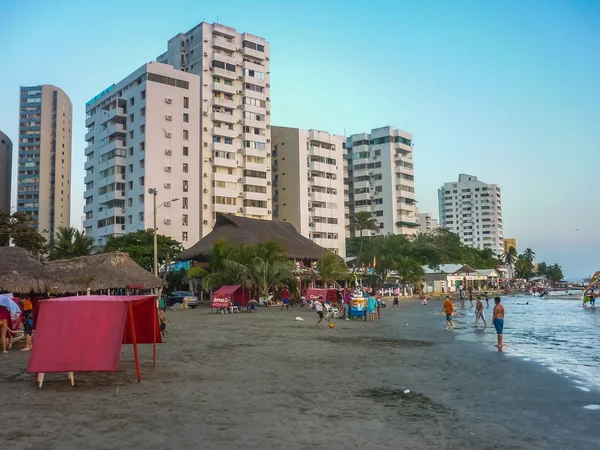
point(381, 180)
point(426, 223)
point(308, 184)
point(473, 210)
point(143, 135)
point(5, 172)
point(44, 171)
point(235, 146)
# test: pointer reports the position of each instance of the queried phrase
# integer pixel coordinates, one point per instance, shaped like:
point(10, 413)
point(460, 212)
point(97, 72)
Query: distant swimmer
point(498, 321)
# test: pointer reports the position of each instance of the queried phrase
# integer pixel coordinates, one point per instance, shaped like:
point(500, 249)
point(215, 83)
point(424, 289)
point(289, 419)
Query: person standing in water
point(498, 321)
point(479, 313)
point(487, 300)
point(462, 296)
point(449, 309)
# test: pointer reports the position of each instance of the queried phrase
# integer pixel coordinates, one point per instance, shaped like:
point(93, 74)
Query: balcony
point(90, 134)
point(256, 196)
point(321, 196)
point(321, 167)
point(255, 181)
point(223, 58)
point(228, 209)
point(222, 117)
point(253, 53)
point(224, 102)
point(117, 129)
point(220, 87)
point(224, 162)
point(255, 211)
point(255, 137)
point(225, 131)
point(119, 114)
point(227, 44)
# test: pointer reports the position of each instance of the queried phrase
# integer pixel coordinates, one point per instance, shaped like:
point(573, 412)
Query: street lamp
point(154, 193)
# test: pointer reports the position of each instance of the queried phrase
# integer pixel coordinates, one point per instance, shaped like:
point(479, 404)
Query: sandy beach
point(265, 381)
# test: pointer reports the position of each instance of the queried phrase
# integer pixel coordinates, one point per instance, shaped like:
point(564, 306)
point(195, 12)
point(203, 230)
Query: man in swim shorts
point(498, 321)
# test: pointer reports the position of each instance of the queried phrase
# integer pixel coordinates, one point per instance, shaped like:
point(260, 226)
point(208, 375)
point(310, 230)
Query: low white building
point(308, 184)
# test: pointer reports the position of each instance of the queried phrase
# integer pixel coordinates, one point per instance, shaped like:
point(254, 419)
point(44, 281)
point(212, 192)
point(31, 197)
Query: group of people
point(497, 318)
point(14, 314)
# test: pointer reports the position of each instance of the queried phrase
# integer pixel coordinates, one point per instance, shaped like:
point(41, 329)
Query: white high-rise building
point(235, 145)
point(382, 181)
point(143, 135)
point(473, 210)
point(427, 224)
point(308, 184)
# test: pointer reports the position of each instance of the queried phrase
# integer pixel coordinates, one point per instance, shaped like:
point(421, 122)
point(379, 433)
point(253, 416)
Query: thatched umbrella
point(21, 273)
point(115, 270)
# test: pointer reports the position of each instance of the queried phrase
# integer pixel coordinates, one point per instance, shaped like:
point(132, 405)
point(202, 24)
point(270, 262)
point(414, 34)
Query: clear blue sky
point(508, 91)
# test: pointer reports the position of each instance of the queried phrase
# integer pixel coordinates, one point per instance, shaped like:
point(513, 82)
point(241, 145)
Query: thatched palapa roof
point(23, 274)
point(242, 230)
point(101, 271)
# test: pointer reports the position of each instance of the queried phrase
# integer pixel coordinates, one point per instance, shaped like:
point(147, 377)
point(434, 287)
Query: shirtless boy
point(479, 313)
point(498, 321)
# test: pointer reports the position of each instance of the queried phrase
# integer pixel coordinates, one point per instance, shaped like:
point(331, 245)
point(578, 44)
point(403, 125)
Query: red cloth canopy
point(329, 295)
point(236, 295)
point(85, 334)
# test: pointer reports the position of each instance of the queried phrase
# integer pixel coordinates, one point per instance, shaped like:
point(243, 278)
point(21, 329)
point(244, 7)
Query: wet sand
point(264, 381)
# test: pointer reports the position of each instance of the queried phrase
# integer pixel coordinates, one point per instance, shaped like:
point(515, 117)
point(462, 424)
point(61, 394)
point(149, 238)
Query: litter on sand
point(299, 319)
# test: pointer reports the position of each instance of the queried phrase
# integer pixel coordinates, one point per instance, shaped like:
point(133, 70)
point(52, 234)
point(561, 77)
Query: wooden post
point(134, 342)
point(154, 321)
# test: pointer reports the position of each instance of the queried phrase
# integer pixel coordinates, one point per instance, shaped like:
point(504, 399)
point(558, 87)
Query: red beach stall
point(85, 333)
point(228, 296)
point(329, 295)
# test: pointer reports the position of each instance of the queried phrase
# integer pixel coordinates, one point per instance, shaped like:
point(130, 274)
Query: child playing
point(371, 307)
point(162, 318)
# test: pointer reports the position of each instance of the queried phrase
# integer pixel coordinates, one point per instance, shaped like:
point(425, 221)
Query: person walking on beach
point(378, 300)
point(371, 307)
point(462, 296)
point(318, 305)
point(498, 321)
point(27, 308)
point(347, 298)
point(285, 298)
point(449, 309)
point(396, 300)
point(479, 313)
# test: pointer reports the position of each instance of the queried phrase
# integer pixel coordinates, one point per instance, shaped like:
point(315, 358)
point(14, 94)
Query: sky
point(506, 90)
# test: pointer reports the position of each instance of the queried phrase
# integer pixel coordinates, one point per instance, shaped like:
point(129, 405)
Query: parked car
point(181, 296)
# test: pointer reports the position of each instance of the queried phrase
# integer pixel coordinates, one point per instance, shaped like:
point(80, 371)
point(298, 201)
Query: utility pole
point(154, 193)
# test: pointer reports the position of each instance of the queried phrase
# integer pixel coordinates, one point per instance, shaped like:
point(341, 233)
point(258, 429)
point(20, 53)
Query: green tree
point(509, 257)
point(139, 245)
point(409, 270)
point(194, 276)
point(524, 267)
point(529, 255)
point(266, 275)
point(18, 228)
point(70, 243)
point(554, 273)
point(330, 268)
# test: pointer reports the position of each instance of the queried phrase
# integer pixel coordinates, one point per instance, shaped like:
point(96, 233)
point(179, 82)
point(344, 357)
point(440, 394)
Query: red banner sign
point(220, 302)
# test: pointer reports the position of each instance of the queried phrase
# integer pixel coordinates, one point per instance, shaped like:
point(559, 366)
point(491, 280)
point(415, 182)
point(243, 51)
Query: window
point(184, 220)
point(254, 46)
point(185, 151)
point(141, 217)
point(185, 168)
point(143, 94)
point(254, 87)
point(141, 181)
point(141, 198)
point(184, 203)
point(142, 163)
point(142, 129)
point(186, 117)
point(185, 186)
point(254, 73)
point(168, 80)
point(184, 236)
point(143, 111)
point(130, 151)
point(186, 134)
point(131, 117)
point(186, 102)
point(142, 146)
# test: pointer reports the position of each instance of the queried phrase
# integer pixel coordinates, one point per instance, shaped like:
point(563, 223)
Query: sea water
point(559, 334)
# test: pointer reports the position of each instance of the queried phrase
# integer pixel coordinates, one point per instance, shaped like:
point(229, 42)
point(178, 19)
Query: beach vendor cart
point(358, 307)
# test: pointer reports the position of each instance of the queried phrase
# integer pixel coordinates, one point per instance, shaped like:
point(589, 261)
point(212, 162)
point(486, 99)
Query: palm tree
point(330, 268)
point(509, 257)
point(529, 254)
point(70, 243)
point(193, 275)
point(364, 220)
point(267, 275)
